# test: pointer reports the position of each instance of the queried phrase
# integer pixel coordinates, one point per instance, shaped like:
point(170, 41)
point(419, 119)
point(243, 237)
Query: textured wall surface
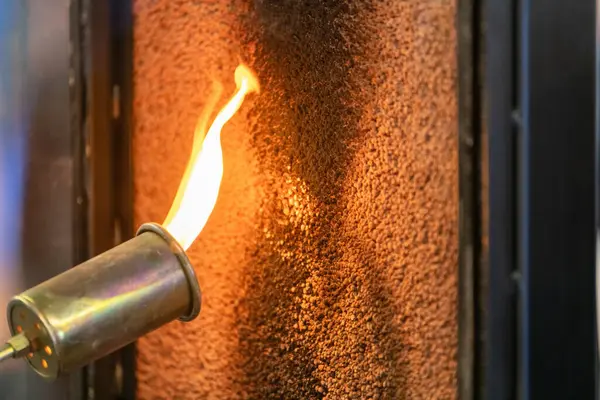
point(329, 265)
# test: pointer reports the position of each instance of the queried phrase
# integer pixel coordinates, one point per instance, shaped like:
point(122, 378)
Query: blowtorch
point(103, 304)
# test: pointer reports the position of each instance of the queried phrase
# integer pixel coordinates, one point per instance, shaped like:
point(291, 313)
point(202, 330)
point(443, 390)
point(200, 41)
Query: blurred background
point(35, 163)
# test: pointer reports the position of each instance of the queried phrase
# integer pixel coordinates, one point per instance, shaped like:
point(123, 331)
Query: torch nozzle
point(86, 312)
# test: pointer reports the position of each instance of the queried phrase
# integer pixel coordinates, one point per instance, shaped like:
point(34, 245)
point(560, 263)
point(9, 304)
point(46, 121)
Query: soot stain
point(308, 56)
point(305, 54)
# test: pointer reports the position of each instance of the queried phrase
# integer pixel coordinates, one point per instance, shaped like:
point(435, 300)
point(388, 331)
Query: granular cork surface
point(329, 266)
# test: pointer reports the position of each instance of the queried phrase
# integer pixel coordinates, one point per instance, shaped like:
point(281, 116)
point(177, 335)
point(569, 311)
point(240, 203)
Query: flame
point(199, 187)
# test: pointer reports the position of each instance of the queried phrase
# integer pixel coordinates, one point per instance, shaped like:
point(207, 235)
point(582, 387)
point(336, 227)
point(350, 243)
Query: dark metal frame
point(101, 93)
point(540, 83)
point(556, 178)
point(500, 84)
point(472, 269)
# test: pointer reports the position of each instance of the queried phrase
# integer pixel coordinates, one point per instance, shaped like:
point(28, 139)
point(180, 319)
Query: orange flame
point(199, 187)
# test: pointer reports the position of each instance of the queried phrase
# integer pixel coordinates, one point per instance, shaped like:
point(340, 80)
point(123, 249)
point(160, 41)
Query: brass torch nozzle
point(103, 304)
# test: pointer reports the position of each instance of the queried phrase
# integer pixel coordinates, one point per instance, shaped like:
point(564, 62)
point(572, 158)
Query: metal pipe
point(6, 352)
point(106, 302)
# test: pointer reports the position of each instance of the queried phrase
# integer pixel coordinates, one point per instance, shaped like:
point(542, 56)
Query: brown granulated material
point(329, 265)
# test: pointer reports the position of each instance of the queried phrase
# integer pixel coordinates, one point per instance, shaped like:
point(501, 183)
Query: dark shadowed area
point(329, 265)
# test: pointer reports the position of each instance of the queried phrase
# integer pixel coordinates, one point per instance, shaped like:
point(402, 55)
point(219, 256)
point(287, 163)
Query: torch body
point(106, 302)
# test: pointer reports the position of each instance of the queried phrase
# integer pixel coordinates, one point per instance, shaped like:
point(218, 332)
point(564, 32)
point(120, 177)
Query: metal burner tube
point(106, 302)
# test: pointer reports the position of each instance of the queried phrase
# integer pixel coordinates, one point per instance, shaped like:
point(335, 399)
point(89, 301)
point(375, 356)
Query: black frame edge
point(470, 350)
point(79, 381)
point(500, 347)
point(102, 104)
point(556, 253)
point(122, 72)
